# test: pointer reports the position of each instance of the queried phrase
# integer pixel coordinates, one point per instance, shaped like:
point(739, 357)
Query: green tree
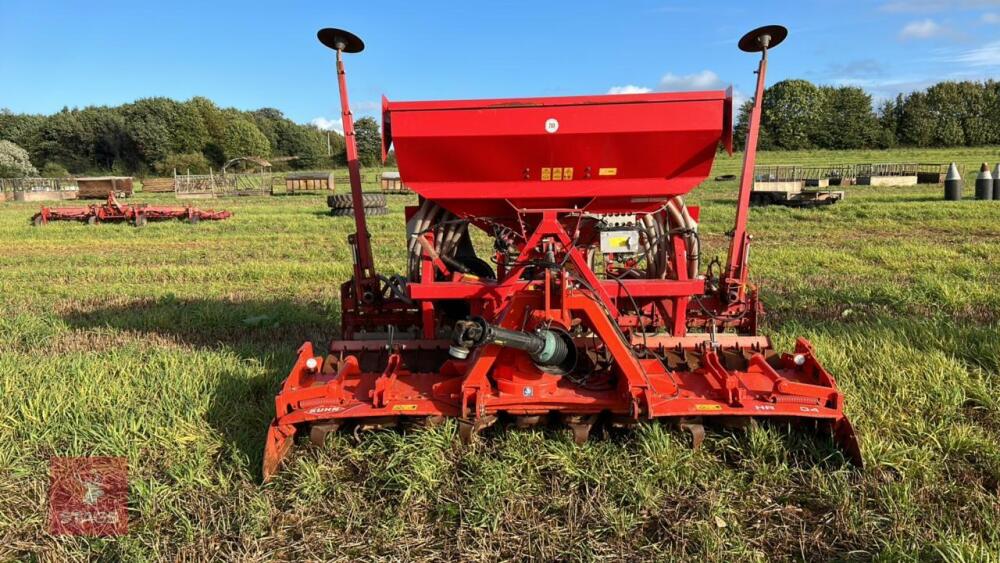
point(14, 161)
point(290, 139)
point(889, 118)
point(974, 115)
point(195, 162)
point(108, 137)
point(742, 126)
point(241, 137)
point(20, 129)
point(846, 119)
point(158, 127)
point(63, 138)
point(916, 122)
point(791, 114)
point(945, 104)
point(306, 143)
point(54, 170)
point(215, 124)
point(369, 141)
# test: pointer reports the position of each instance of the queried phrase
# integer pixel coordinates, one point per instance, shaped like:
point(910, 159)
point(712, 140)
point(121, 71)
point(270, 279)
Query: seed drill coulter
point(591, 306)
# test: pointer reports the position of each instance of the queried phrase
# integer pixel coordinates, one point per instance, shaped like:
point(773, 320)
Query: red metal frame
point(682, 347)
point(365, 284)
point(114, 212)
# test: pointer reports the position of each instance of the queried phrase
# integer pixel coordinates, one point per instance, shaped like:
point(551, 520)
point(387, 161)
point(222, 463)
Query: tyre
point(345, 201)
point(349, 212)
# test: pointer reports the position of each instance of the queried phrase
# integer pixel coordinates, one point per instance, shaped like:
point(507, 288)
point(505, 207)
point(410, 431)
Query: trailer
point(798, 196)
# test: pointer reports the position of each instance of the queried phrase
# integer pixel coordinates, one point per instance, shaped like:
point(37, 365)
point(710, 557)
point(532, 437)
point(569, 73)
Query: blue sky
point(251, 55)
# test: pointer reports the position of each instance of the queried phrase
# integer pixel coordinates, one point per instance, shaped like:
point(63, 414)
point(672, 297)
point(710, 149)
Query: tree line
point(800, 115)
point(158, 135)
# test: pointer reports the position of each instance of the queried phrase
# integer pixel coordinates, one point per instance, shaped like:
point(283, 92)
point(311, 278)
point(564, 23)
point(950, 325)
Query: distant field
point(166, 345)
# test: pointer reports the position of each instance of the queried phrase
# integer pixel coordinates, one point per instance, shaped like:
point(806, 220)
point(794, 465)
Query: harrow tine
point(695, 426)
point(528, 421)
point(468, 429)
point(377, 423)
point(847, 441)
point(580, 425)
point(279, 442)
point(319, 432)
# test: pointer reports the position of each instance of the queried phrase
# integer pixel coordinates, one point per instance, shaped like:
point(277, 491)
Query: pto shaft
point(547, 348)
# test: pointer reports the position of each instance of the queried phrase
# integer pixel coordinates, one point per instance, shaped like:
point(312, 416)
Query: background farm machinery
point(590, 305)
point(137, 214)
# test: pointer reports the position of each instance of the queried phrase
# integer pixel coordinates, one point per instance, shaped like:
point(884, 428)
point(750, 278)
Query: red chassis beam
point(616, 290)
point(327, 393)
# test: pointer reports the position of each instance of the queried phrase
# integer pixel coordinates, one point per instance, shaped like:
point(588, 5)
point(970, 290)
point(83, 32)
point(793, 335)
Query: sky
point(249, 55)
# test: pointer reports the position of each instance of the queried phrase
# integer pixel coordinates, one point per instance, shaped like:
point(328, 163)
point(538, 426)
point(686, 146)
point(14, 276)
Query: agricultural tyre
point(349, 212)
point(345, 201)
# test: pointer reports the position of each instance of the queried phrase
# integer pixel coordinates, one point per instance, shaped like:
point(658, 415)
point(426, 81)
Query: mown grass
point(165, 345)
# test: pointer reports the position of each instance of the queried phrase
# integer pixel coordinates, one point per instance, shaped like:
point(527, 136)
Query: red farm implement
point(592, 305)
point(114, 212)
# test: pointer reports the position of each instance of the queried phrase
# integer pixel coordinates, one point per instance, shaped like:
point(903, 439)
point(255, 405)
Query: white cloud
point(629, 89)
point(990, 18)
point(921, 29)
point(328, 124)
point(911, 6)
point(704, 80)
point(986, 56)
point(739, 98)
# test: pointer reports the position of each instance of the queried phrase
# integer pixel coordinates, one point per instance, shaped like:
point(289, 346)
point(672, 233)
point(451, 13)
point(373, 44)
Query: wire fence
point(925, 172)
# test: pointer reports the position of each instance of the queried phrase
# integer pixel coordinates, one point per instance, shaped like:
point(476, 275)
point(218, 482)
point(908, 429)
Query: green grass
point(166, 344)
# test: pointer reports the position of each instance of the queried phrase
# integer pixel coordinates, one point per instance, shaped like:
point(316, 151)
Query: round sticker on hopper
point(551, 125)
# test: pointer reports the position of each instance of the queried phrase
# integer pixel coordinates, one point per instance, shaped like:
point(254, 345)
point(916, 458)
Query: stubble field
point(166, 344)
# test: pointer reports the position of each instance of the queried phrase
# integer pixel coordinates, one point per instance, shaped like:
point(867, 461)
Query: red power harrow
point(592, 305)
point(114, 212)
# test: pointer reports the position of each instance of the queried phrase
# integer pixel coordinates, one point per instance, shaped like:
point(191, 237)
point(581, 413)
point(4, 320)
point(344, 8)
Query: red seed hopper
point(591, 304)
point(609, 153)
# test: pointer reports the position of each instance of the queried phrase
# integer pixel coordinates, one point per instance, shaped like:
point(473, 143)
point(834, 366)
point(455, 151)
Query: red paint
point(114, 212)
point(495, 163)
point(88, 496)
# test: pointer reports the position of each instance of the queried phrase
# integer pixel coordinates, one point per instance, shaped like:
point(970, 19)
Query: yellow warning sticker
point(556, 174)
point(404, 407)
point(568, 173)
point(618, 241)
point(707, 407)
point(546, 174)
point(607, 171)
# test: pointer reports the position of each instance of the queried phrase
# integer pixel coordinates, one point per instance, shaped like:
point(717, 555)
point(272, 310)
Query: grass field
point(166, 345)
